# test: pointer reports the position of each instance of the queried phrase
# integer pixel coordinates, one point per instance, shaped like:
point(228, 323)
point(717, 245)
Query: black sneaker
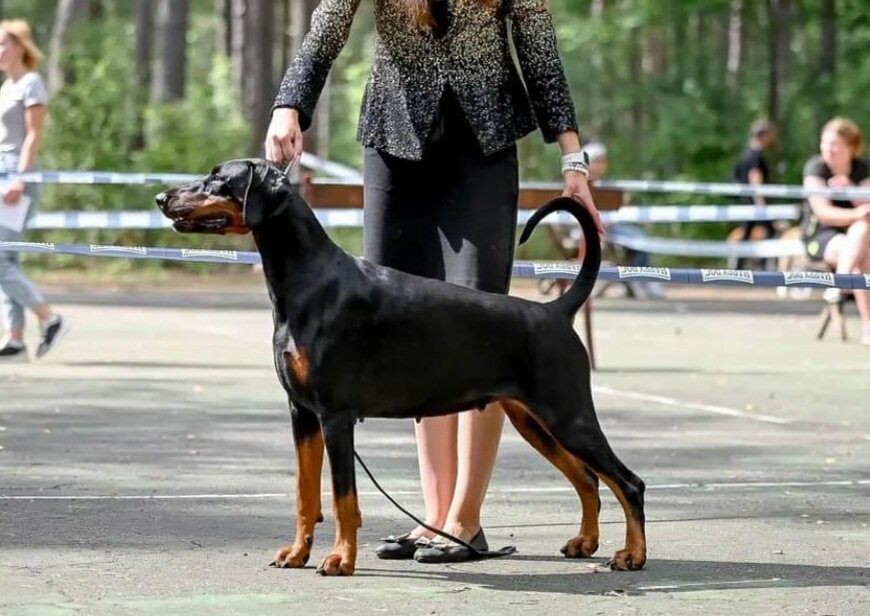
point(52, 332)
point(13, 352)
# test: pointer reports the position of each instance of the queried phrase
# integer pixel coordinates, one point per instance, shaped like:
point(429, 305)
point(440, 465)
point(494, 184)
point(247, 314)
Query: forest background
point(670, 86)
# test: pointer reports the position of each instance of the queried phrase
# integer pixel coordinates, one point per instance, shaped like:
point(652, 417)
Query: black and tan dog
point(355, 340)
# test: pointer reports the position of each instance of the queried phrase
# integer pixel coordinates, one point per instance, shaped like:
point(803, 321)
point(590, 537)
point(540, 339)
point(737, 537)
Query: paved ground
point(147, 469)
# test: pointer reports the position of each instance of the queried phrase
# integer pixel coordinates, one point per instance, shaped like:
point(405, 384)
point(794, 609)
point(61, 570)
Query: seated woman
point(838, 232)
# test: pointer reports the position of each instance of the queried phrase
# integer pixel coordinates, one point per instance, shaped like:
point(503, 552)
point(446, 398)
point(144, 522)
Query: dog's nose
point(162, 200)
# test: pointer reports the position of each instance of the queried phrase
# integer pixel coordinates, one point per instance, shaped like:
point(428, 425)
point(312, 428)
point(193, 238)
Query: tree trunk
point(286, 35)
point(680, 44)
point(827, 62)
point(635, 69)
point(734, 63)
point(96, 10)
point(143, 15)
point(319, 139)
point(783, 51)
point(655, 52)
point(224, 27)
point(828, 59)
point(779, 12)
point(601, 97)
point(169, 73)
point(68, 12)
point(239, 40)
point(259, 61)
point(317, 136)
point(701, 47)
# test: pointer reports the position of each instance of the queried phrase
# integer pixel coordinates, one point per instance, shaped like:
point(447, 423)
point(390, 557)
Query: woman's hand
point(840, 181)
point(13, 193)
point(862, 212)
point(577, 187)
point(284, 137)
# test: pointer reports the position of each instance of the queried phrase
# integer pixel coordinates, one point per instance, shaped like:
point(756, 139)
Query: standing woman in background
point(443, 109)
point(23, 108)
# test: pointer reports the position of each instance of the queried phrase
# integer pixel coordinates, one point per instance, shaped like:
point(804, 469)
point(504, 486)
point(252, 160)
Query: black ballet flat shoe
point(397, 548)
point(429, 551)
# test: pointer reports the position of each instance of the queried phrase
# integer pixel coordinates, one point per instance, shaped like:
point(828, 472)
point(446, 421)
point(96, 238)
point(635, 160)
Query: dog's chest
point(293, 364)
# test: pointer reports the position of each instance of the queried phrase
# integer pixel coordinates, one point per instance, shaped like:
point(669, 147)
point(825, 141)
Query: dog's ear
point(266, 194)
point(253, 208)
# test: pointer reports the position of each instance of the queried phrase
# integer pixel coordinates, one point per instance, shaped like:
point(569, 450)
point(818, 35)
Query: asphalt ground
point(146, 467)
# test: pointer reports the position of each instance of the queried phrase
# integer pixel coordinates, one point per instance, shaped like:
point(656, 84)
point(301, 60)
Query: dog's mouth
point(195, 213)
point(201, 225)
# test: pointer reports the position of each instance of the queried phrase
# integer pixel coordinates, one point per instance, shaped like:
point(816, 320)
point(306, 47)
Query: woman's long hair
point(421, 14)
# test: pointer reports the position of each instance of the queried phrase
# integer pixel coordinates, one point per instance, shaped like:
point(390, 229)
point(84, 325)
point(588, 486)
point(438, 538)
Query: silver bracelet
point(576, 161)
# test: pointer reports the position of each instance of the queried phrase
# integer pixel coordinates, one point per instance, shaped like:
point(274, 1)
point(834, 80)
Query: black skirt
point(450, 216)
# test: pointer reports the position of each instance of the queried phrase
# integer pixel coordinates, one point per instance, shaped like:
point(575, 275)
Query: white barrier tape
point(759, 249)
point(701, 213)
point(330, 168)
point(354, 217)
point(521, 269)
point(781, 191)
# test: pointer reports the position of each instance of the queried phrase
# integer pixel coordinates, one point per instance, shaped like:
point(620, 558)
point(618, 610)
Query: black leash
point(510, 549)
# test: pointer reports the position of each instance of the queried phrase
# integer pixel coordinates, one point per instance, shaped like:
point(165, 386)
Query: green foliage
point(91, 123)
point(199, 131)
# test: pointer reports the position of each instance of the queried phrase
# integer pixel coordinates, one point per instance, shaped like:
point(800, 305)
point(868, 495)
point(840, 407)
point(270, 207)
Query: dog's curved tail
point(571, 301)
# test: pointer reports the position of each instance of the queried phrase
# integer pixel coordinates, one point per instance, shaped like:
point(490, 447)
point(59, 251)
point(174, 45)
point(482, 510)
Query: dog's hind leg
point(338, 437)
point(580, 434)
point(309, 463)
point(584, 481)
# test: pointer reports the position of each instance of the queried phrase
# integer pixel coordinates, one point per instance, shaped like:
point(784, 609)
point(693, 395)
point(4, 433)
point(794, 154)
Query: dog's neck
point(295, 251)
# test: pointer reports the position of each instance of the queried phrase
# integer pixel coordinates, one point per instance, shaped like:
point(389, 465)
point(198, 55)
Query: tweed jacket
point(412, 67)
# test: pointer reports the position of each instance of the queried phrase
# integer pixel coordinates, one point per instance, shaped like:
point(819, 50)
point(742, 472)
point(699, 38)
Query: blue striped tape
point(354, 217)
point(98, 177)
point(521, 269)
point(696, 188)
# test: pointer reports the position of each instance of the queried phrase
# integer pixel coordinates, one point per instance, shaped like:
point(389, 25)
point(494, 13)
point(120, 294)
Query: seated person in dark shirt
point(838, 232)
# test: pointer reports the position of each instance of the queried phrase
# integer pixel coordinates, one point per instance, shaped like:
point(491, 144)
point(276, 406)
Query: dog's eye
point(221, 189)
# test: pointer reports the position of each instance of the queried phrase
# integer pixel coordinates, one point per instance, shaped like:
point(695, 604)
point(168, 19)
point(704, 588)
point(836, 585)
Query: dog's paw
point(291, 556)
point(335, 564)
point(580, 547)
point(627, 560)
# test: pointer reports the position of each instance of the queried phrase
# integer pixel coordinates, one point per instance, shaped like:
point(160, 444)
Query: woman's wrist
point(569, 142)
point(577, 162)
point(289, 112)
point(573, 156)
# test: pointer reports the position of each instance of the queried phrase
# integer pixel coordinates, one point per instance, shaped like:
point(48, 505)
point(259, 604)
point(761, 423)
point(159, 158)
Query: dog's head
point(236, 197)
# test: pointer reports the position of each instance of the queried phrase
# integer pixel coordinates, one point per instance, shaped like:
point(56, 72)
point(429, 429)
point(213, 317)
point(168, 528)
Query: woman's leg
point(401, 233)
point(17, 291)
point(13, 318)
point(862, 299)
point(437, 456)
point(478, 439)
point(850, 253)
point(853, 257)
point(479, 234)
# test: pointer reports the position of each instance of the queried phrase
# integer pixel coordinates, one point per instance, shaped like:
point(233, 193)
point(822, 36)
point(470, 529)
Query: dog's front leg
point(338, 435)
point(309, 463)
